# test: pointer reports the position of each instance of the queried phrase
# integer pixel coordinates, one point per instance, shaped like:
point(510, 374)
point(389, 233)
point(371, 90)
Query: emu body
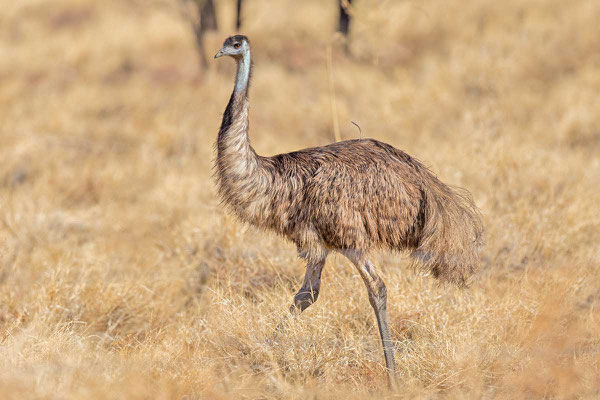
point(350, 197)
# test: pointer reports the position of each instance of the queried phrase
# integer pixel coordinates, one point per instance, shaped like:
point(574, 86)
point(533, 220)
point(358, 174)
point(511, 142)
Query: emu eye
point(236, 46)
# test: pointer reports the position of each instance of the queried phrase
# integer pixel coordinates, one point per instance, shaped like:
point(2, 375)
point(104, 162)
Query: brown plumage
point(352, 197)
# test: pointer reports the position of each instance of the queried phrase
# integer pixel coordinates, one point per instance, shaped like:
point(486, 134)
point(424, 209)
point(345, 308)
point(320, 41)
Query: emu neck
point(237, 163)
point(242, 78)
point(235, 118)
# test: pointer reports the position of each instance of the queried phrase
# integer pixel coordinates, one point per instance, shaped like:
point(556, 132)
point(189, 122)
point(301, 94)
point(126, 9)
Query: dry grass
point(121, 277)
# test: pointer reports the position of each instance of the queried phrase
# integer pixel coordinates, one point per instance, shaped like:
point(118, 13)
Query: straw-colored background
point(122, 277)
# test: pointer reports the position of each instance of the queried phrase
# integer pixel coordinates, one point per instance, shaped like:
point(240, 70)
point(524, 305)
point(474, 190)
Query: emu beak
point(221, 53)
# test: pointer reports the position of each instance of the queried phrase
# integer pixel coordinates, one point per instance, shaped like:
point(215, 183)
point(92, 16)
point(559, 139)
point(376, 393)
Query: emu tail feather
point(452, 233)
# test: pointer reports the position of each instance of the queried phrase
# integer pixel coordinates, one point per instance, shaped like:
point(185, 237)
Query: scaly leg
point(309, 292)
point(307, 295)
point(378, 299)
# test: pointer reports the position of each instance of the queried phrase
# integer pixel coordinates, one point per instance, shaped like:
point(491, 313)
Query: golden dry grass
point(122, 277)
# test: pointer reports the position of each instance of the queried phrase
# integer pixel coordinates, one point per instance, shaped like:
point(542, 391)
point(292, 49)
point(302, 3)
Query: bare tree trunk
point(238, 20)
point(344, 21)
point(206, 20)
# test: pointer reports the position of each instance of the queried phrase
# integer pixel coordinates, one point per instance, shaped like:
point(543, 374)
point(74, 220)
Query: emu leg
point(309, 292)
point(378, 299)
point(307, 295)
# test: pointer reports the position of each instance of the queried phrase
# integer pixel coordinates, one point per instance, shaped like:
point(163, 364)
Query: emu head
point(234, 46)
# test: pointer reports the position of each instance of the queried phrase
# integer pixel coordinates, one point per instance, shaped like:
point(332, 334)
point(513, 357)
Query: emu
point(349, 197)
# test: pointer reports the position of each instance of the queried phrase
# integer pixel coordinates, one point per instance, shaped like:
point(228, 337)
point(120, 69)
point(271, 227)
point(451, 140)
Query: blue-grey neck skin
point(243, 73)
point(240, 92)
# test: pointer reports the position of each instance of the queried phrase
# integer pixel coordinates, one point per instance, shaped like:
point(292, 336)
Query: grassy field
point(122, 277)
